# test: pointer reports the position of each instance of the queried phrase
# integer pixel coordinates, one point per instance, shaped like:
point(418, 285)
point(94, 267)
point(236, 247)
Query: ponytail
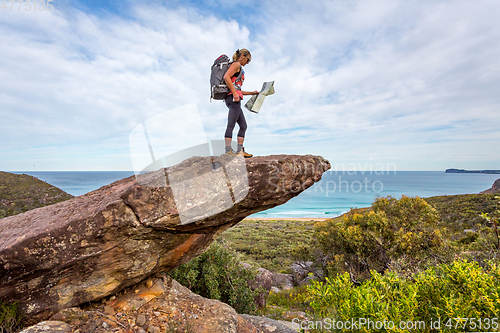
point(240, 52)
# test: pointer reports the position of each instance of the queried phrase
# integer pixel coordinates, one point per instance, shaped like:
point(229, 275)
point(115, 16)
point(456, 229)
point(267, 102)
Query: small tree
point(401, 232)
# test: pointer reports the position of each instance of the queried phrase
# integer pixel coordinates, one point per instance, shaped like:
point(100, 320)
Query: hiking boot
point(244, 153)
point(232, 153)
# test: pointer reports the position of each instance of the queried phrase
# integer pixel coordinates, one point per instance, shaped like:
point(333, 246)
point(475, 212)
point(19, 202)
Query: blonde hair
point(240, 52)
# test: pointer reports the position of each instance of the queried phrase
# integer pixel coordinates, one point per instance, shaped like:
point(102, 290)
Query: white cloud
point(407, 68)
point(409, 81)
point(90, 79)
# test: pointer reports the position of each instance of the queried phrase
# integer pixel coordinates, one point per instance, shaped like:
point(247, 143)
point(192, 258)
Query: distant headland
point(494, 172)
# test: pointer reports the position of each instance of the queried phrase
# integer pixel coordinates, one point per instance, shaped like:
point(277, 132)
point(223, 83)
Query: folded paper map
point(256, 101)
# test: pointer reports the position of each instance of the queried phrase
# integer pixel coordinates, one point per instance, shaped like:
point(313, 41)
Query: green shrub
point(470, 238)
point(295, 298)
point(10, 317)
point(401, 232)
point(218, 274)
point(461, 289)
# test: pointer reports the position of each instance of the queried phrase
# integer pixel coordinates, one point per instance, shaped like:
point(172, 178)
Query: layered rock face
point(94, 245)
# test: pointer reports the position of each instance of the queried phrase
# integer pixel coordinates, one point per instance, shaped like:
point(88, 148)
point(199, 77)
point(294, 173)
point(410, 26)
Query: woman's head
point(242, 55)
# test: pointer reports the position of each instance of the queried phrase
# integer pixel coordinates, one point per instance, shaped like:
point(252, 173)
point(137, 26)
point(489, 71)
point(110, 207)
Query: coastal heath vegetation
point(400, 235)
point(441, 294)
point(20, 193)
point(472, 222)
point(268, 243)
point(405, 260)
point(494, 222)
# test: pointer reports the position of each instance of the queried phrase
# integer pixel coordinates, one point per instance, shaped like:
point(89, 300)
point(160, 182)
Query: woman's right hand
point(236, 97)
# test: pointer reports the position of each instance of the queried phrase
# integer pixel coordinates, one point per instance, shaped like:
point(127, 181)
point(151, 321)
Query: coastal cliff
point(495, 188)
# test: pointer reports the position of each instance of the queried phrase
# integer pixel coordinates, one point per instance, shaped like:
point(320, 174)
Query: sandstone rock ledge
point(97, 244)
point(159, 304)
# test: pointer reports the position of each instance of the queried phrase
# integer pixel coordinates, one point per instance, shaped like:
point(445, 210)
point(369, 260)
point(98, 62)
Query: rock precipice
point(96, 244)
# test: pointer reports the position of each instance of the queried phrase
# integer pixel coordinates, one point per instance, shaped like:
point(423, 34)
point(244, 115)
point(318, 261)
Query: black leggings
point(235, 116)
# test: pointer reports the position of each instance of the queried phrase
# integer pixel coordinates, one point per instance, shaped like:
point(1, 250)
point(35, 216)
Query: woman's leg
point(232, 118)
point(243, 125)
point(236, 115)
point(243, 128)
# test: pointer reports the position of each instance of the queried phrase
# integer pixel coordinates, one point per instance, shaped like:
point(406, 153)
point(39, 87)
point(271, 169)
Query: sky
point(368, 84)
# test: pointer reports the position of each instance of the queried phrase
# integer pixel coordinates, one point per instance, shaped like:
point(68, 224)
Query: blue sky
point(411, 84)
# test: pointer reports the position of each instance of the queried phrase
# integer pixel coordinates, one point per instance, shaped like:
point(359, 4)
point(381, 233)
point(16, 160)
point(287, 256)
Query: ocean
point(334, 195)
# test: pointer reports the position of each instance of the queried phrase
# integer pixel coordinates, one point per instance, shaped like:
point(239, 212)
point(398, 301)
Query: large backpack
point(219, 89)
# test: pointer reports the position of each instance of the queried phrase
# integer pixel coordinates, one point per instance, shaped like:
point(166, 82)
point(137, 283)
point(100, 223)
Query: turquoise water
point(335, 194)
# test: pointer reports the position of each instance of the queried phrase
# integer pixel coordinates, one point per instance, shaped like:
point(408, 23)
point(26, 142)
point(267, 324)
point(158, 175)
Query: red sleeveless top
point(238, 84)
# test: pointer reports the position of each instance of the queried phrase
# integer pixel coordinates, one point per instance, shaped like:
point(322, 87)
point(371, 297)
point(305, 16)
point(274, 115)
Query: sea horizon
point(334, 195)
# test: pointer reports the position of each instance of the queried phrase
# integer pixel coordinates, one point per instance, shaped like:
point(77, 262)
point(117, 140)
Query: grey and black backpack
point(219, 89)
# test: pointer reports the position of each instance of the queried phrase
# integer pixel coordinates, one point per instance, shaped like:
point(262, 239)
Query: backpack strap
point(240, 75)
point(238, 78)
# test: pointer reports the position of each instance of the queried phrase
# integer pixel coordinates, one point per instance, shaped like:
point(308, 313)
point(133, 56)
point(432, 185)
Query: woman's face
point(244, 59)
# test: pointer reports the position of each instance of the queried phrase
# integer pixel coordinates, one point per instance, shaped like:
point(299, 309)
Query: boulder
point(48, 326)
point(176, 308)
point(267, 325)
point(305, 271)
point(282, 281)
point(97, 244)
point(267, 281)
point(264, 281)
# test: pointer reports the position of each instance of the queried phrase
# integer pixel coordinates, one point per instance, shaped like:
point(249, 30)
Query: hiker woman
point(234, 78)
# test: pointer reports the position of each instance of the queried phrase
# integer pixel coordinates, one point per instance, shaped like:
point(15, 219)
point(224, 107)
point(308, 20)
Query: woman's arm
point(235, 67)
point(255, 92)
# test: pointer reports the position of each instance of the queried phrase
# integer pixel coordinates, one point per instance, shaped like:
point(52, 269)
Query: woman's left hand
point(255, 92)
